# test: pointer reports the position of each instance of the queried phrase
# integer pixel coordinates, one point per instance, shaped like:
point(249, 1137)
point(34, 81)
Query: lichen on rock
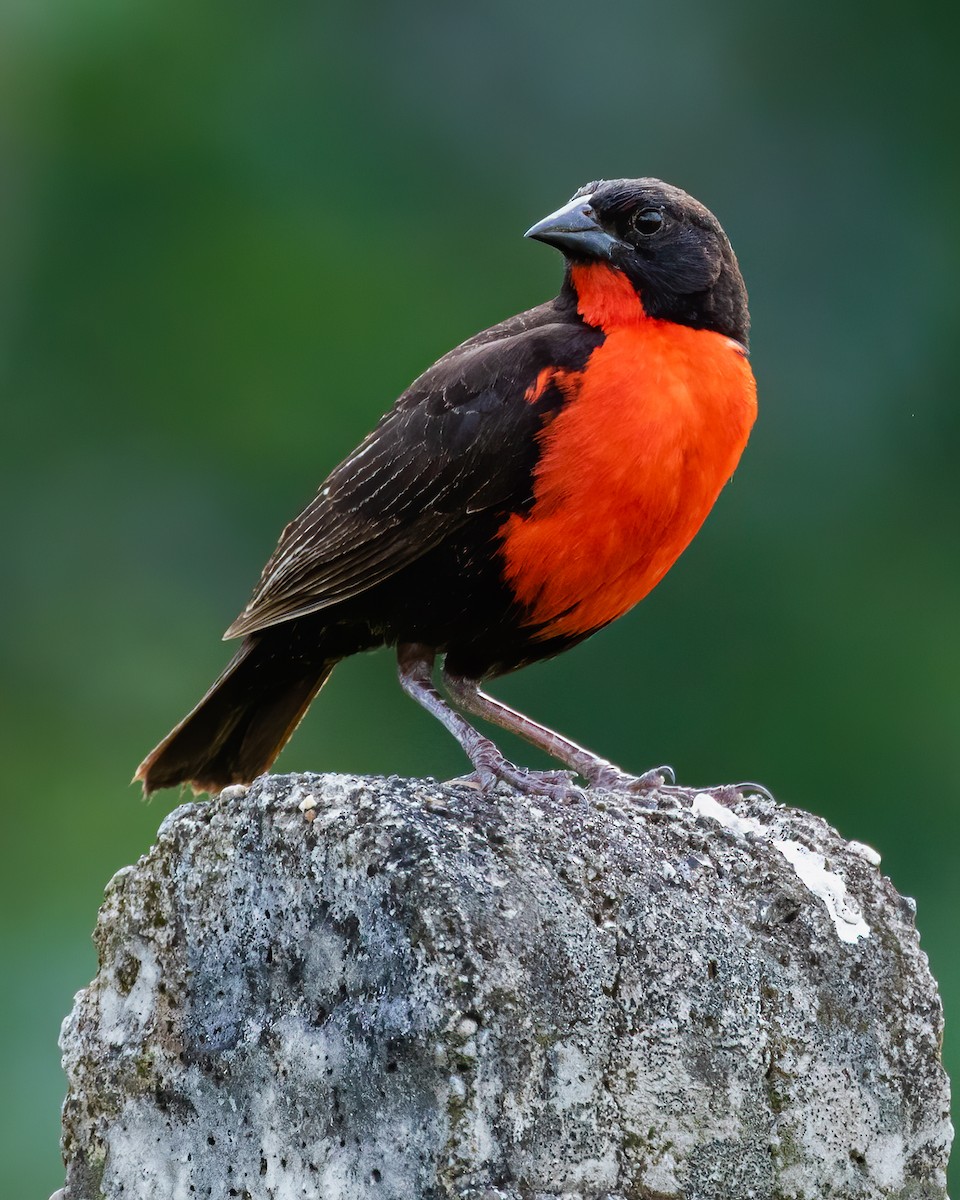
point(347, 988)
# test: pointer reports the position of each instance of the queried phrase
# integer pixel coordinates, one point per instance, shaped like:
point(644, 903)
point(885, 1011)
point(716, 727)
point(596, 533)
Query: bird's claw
point(753, 789)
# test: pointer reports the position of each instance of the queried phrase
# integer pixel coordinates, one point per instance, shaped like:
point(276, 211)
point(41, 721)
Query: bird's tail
point(242, 723)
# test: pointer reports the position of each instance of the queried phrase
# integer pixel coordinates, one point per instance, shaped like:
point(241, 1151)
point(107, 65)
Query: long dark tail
point(244, 720)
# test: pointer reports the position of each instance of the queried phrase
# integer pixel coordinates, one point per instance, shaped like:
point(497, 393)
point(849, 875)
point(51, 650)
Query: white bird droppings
point(867, 853)
point(811, 868)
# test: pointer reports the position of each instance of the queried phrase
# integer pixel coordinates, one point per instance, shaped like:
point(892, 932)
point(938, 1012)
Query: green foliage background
point(230, 234)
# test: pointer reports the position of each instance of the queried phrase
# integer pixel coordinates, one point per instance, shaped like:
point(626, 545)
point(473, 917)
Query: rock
point(350, 989)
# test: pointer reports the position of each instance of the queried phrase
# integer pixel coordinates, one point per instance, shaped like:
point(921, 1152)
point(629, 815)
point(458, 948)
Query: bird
point(529, 488)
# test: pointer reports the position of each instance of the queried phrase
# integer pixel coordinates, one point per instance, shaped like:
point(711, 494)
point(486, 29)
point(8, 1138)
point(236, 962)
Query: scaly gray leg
point(415, 669)
point(598, 772)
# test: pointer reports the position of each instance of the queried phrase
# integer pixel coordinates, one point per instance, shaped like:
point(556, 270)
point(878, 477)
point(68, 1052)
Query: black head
point(671, 248)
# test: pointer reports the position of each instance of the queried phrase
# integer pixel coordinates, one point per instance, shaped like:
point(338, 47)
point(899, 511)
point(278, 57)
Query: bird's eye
point(647, 221)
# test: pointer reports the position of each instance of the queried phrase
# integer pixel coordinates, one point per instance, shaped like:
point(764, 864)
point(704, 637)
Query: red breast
point(629, 468)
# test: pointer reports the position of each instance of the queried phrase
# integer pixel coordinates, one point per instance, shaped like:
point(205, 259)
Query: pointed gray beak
point(575, 230)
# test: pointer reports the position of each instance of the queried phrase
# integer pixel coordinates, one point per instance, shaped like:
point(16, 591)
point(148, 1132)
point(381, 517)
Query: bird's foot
point(558, 785)
point(663, 780)
point(642, 786)
point(492, 768)
point(723, 793)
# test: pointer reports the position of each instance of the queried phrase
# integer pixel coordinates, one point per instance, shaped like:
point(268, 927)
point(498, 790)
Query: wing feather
point(460, 441)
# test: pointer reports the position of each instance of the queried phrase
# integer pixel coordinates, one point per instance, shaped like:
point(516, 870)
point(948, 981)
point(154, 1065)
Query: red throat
point(605, 296)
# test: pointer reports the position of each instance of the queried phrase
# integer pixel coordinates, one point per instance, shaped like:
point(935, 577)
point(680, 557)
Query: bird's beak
point(575, 230)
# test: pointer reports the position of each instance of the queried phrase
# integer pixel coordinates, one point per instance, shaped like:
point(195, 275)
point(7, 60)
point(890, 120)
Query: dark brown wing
point(461, 440)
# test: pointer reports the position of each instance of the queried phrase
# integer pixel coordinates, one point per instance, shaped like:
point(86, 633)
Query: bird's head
point(668, 245)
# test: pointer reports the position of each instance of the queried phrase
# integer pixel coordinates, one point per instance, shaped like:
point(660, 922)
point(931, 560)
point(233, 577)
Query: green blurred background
point(230, 234)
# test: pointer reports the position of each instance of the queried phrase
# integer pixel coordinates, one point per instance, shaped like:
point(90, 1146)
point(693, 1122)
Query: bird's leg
point(415, 669)
point(598, 772)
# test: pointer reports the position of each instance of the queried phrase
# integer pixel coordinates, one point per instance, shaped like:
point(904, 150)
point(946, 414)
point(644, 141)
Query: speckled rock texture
point(363, 989)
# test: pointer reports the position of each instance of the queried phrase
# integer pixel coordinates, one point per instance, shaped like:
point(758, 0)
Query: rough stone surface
point(350, 989)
